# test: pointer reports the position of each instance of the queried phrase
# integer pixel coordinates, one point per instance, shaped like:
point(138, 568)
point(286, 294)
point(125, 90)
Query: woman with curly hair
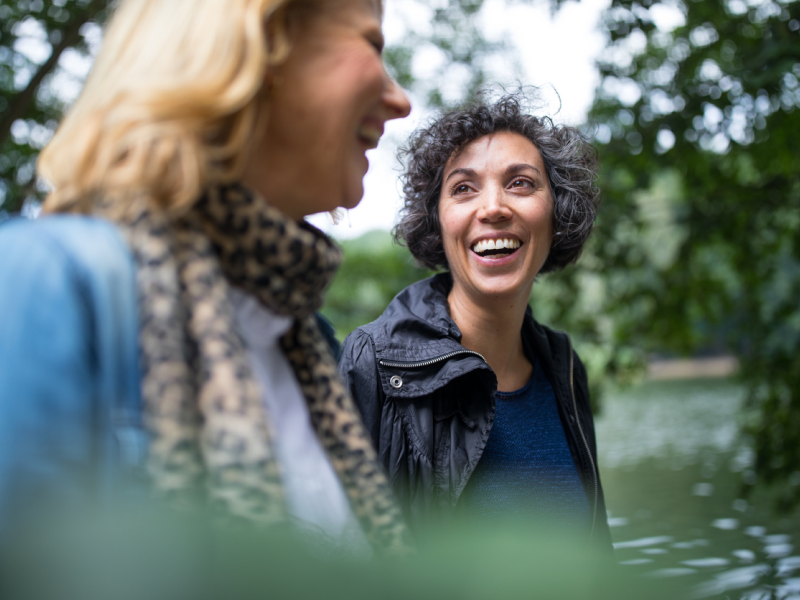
point(160, 319)
point(474, 407)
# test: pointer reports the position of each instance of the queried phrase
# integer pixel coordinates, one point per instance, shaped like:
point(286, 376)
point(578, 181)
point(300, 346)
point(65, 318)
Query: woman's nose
point(395, 99)
point(493, 206)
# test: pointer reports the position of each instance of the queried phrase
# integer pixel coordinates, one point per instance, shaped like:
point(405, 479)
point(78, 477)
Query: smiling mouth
point(499, 248)
point(369, 135)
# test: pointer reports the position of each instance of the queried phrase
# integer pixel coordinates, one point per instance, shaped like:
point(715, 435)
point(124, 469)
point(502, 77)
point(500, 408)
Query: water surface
point(675, 474)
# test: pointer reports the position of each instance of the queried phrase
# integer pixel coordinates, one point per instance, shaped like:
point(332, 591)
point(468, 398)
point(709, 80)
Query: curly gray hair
point(570, 162)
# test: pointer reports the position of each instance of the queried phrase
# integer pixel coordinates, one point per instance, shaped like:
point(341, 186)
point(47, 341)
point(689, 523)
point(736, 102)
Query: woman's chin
point(508, 288)
point(352, 197)
point(331, 204)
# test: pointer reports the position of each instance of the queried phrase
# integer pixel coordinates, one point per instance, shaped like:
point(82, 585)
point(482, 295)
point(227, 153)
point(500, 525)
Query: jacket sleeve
point(46, 371)
point(359, 372)
point(70, 412)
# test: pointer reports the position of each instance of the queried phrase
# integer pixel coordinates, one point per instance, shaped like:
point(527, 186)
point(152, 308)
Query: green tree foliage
point(455, 45)
point(699, 237)
point(373, 271)
point(29, 107)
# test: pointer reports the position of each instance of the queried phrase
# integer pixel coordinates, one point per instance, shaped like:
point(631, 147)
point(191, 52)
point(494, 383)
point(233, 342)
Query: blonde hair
point(171, 105)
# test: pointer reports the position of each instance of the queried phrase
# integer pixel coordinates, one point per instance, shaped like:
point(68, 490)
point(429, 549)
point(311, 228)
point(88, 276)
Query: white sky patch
point(32, 40)
point(32, 44)
point(556, 51)
point(665, 140)
point(67, 81)
point(667, 16)
point(34, 49)
point(73, 66)
point(623, 88)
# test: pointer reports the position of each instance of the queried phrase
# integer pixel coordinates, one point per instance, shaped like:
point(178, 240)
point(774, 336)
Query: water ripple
point(643, 542)
point(727, 524)
point(786, 566)
point(735, 579)
point(711, 561)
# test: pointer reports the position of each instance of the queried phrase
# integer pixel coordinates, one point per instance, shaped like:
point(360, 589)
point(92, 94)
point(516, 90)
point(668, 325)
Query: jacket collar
point(416, 327)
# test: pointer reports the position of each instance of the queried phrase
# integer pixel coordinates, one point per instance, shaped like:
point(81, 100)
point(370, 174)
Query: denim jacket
point(70, 402)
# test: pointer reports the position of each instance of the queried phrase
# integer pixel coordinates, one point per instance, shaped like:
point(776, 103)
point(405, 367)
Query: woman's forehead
point(498, 147)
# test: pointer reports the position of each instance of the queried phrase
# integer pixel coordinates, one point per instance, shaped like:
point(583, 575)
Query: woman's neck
point(493, 328)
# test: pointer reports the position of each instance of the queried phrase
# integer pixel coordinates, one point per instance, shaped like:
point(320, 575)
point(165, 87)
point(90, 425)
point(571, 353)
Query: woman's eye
point(461, 189)
point(377, 44)
point(521, 183)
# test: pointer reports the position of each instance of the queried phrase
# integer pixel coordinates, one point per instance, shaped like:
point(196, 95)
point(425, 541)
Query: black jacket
point(429, 403)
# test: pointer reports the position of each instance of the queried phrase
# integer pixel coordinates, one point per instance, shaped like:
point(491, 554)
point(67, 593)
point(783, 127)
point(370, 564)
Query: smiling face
point(329, 102)
point(496, 217)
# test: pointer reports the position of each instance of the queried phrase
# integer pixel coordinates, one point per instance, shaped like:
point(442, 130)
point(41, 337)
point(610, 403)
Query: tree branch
point(22, 101)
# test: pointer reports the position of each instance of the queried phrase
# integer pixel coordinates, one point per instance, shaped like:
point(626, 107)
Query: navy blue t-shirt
point(526, 471)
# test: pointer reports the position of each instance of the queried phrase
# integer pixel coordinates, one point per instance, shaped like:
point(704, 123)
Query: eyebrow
point(522, 167)
point(467, 172)
point(511, 169)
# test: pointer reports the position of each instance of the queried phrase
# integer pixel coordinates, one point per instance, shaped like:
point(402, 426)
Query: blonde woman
point(161, 315)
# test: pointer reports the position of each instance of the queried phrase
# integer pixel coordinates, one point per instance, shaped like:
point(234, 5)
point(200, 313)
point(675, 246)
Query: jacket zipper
point(425, 363)
point(583, 436)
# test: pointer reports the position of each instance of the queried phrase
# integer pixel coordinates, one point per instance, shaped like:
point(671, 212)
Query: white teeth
point(370, 134)
point(484, 245)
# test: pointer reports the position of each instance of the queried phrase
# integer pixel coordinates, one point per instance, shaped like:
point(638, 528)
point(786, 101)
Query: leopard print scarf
point(203, 407)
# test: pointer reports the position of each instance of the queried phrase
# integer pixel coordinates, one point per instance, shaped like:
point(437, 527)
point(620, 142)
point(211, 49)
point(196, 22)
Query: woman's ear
point(279, 31)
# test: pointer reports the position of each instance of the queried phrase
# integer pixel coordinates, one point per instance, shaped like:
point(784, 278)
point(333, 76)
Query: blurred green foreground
point(157, 554)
